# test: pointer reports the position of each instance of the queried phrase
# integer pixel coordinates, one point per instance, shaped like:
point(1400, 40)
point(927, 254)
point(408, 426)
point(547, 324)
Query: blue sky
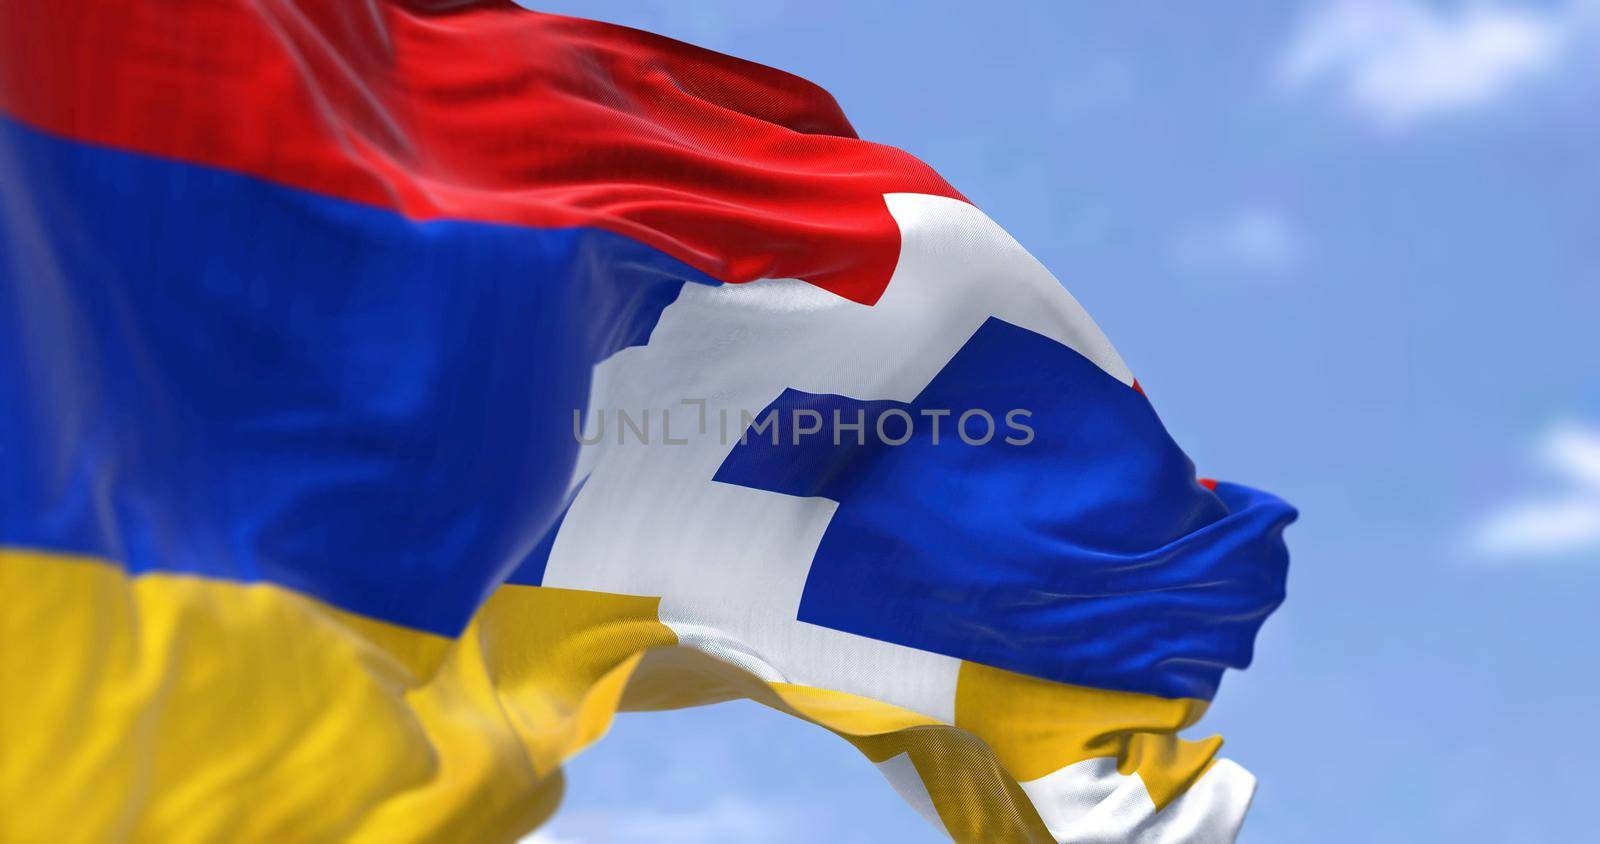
point(1352, 250)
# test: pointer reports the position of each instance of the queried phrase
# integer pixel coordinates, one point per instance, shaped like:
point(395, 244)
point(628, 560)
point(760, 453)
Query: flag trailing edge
point(297, 303)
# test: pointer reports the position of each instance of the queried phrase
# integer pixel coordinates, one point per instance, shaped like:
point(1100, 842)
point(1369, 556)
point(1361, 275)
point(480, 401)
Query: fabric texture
point(393, 392)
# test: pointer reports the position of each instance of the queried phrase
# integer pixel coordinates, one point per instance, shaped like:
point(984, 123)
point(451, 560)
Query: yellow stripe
point(173, 708)
point(1036, 726)
point(975, 797)
point(535, 679)
point(977, 800)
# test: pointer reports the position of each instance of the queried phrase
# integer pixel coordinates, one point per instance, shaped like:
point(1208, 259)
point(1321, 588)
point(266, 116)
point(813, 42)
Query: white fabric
point(902, 775)
point(1091, 803)
point(730, 563)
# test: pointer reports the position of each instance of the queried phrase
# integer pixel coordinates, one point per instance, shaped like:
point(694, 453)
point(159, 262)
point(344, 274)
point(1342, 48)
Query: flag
point(392, 392)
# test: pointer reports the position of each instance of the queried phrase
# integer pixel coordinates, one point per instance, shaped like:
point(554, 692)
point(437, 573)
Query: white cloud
point(1401, 61)
point(1250, 240)
point(1575, 451)
point(1562, 521)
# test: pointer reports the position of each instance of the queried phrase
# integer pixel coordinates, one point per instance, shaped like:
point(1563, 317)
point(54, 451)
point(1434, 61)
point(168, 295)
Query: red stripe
point(487, 113)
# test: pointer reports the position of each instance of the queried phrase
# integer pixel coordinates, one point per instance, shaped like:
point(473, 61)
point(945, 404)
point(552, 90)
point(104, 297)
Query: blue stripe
point(202, 372)
point(530, 572)
point(1084, 552)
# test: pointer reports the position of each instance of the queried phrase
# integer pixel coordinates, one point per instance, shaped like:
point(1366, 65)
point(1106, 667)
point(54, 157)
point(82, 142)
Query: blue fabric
point(530, 572)
point(206, 373)
point(1089, 555)
point(202, 372)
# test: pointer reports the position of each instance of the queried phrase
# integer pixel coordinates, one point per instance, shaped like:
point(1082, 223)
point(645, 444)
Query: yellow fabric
point(976, 799)
point(170, 708)
point(535, 679)
point(1035, 727)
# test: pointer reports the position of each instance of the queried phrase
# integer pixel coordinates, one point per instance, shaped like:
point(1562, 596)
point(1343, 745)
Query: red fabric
point(481, 112)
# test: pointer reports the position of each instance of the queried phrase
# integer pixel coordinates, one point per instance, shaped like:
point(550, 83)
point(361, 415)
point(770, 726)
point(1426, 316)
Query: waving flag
point(392, 392)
